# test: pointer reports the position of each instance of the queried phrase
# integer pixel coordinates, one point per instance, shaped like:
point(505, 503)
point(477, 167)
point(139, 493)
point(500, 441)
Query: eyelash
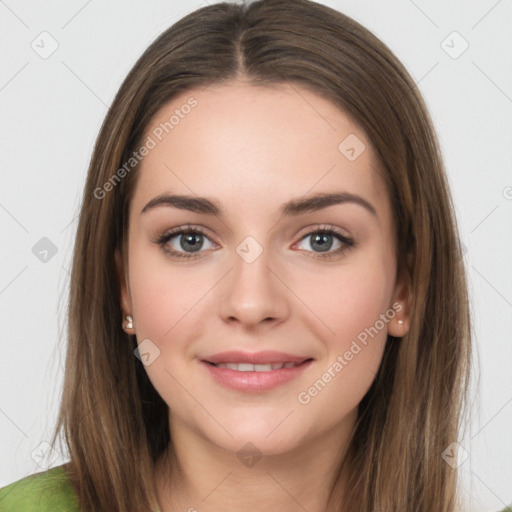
point(348, 242)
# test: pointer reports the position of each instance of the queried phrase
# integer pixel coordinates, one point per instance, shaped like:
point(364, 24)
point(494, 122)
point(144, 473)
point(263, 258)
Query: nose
point(254, 293)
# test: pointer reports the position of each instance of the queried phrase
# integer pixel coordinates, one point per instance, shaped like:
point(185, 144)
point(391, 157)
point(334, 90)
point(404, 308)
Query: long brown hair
point(114, 423)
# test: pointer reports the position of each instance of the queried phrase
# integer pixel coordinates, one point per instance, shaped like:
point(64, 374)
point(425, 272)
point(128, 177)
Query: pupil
point(191, 241)
point(321, 237)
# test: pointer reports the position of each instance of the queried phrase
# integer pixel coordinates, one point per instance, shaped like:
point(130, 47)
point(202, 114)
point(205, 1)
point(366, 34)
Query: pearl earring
point(129, 322)
point(400, 322)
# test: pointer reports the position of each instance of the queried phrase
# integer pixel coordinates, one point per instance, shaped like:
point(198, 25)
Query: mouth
point(248, 367)
point(255, 372)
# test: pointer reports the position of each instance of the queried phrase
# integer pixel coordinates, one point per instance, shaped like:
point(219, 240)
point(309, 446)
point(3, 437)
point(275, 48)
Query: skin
point(252, 149)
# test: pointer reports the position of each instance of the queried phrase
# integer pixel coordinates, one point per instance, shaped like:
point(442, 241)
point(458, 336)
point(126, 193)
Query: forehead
point(256, 147)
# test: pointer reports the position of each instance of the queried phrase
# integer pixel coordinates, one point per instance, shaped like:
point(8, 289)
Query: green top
point(47, 491)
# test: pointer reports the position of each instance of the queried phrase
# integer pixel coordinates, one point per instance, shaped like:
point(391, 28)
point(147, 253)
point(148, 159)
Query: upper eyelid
point(323, 227)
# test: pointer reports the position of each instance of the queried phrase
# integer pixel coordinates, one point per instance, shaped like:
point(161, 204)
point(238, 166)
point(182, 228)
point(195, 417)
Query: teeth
point(247, 367)
point(262, 367)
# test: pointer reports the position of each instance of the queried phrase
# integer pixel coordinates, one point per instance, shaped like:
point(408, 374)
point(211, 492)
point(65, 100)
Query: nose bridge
point(253, 292)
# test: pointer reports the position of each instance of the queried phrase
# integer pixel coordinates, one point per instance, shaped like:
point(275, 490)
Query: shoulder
point(46, 491)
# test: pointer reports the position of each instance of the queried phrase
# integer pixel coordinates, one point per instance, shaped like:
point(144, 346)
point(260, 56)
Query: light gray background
point(51, 110)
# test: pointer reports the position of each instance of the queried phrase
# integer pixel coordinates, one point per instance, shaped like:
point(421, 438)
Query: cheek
point(353, 354)
point(337, 389)
point(166, 300)
point(353, 302)
point(165, 297)
point(350, 298)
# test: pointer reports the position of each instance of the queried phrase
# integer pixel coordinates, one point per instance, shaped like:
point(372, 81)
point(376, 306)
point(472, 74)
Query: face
point(315, 286)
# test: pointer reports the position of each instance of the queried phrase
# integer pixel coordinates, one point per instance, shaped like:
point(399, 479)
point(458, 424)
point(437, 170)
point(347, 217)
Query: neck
point(199, 476)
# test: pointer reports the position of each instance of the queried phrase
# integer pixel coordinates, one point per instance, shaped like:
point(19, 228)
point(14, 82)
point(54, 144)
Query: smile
point(254, 378)
point(247, 367)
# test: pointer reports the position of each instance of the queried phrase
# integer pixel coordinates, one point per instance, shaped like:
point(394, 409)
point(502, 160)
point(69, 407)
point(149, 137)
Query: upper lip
point(264, 357)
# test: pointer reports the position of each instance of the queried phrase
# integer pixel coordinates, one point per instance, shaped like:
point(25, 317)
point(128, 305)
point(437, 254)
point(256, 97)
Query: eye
point(187, 242)
point(323, 239)
point(188, 238)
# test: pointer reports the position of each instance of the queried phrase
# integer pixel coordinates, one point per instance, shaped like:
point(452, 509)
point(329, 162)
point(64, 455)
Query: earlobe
point(399, 325)
point(401, 304)
point(124, 295)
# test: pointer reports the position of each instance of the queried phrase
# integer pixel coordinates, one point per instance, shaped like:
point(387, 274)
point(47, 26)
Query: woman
point(268, 302)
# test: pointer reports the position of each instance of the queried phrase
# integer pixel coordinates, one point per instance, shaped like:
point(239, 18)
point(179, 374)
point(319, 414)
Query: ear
point(401, 304)
point(124, 294)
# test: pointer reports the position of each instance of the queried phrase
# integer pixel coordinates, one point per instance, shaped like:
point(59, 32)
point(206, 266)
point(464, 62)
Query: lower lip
point(255, 381)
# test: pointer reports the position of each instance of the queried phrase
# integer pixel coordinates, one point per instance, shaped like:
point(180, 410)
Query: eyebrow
point(290, 208)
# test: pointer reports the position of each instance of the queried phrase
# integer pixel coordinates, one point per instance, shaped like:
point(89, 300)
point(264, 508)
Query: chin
point(264, 435)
